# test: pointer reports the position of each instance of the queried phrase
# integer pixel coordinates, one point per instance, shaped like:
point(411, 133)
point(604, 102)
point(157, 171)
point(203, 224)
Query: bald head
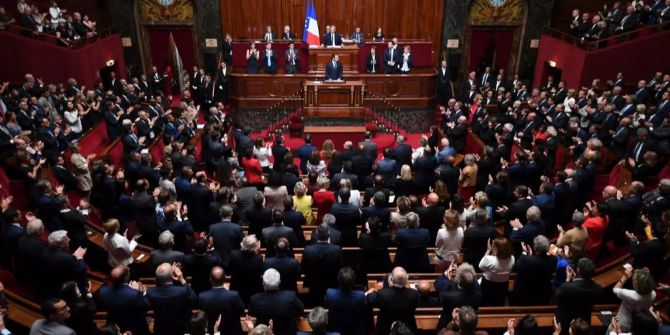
point(424, 288)
point(217, 276)
point(433, 199)
point(609, 192)
point(164, 273)
point(119, 275)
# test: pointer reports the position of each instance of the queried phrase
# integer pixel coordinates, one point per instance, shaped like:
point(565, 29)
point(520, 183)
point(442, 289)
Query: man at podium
point(334, 68)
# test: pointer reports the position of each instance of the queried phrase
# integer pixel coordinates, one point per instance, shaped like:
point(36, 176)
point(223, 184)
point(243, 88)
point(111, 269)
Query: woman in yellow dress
point(303, 202)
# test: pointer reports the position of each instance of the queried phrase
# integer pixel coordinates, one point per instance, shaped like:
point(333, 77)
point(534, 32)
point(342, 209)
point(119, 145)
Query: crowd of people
point(67, 27)
point(618, 18)
point(237, 206)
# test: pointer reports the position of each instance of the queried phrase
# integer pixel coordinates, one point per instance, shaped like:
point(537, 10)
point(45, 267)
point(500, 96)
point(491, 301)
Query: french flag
point(311, 32)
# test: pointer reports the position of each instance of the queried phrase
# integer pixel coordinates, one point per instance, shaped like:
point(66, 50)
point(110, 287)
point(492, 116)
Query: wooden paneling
point(263, 90)
point(416, 19)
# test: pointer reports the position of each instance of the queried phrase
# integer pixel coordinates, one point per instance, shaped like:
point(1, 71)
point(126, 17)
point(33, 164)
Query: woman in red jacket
point(595, 224)
point(252, 169)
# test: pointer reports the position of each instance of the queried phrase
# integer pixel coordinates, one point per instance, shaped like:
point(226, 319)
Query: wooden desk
point(318, 57)
point(334, 94)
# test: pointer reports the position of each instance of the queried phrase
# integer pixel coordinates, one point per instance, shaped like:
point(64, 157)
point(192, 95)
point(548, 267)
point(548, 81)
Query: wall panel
point(418, 19)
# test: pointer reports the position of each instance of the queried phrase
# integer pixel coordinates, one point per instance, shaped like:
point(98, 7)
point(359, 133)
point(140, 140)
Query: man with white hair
point(396, 302)
point(525, 233)
point(282, 307)
point(171, 300)
point(28, 261)
point(402, 153)
point(165, 253)
point(60, 265)
point(446, 150)
point(534, 272)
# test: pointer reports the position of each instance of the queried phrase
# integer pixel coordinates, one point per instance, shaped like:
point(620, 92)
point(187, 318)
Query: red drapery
point(479, 43)
point(159, 41)
point(503, 42)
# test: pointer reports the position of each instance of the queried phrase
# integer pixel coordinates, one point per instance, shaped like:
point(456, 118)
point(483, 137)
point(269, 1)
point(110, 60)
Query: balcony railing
point(53, 39)
point(590, 45)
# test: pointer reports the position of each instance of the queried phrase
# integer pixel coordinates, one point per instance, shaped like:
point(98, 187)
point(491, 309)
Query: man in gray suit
point(370, 147)
point(292, 57)
point(358, 36)
point(165, 254)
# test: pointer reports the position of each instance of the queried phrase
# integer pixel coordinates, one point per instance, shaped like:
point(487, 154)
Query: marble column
point(455, 20)
point(208, 24)
point(539, 17)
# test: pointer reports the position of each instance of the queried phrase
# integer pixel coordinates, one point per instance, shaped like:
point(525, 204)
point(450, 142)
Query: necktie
point(292, 59)
point(332, 38)
point(636, 152)
point(268, 57)
point(392, 49)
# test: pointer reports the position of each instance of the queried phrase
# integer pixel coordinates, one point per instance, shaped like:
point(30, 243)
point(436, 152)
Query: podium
point(342, 99)
point(319, 56)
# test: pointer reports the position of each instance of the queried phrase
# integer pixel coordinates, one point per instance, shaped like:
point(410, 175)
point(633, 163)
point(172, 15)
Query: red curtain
point(479, 43)
point(159, 41)
point(503, 43)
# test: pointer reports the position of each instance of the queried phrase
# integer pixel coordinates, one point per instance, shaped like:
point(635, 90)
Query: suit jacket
point(346, 311)
point(125, 307)
point(288, 268)
point(273, 233)
point(245, 270)
point(172, 305)
point(475, 240)
point(328, 39)
point(272, 68)
point(288, 36)
point(453, 296)
point(334, 72)
point(320, 263)
point(258, 218)
point(534, 274)
point(130, 143)
point(62, 266)
point(576, 299)
point(10, 239)
point(199, 268)
point(160, 256)
point(29, 259)
point(431, 218)
point(347, 219)
point(374, 253)
point(402, 154)
point(650, 254)
point(395, 57)
point(361, 165)
point(380, 211)
point(412, 252)
point(227, 237)
point(372, 63)
point(282, 307)
point(358, 37)
point(199, 198)
point(227, 304)
point(395, 304)
point(296, 58)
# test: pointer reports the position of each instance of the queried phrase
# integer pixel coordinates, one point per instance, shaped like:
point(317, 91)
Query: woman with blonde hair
point(468, 178)
point(496, 265)
point(404, 182)
point(449, 239)
point(327, 149)
point(119, 248)
point(303, 202)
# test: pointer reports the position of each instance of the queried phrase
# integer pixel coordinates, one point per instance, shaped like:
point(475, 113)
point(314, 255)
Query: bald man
point(616, 211)
point(172, 301)
point(124, 302)
point(427, 296)
point(220, 301)
point(396, 302)
point(431, 215)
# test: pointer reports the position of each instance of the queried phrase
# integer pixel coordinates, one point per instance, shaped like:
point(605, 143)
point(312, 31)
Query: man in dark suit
point(391, 58)
point(278, 230)
point(347, 218)
point(457, 133)
point(334, 68)
point(269, 60)
point(282, 307)
point(346, 306)
point(527, 232)
point(335, 235)
point(369, 146)
point(650, 253)
point(199, 264)
point(258, 216)
point(294, 220)
point(361, 164)
point(124, 302)
point(413, 242)
point(226, 235)
point(61, 266)
point(47, 204)
point(10, 235)
point(320, 264)
point(457, 287)
point(402, 153)
point(171, 300)
point(165, 254)
point(431, 216)
point(575, 298)
point(199, 198)
point(379, 209)
point(287, 266)
point(304, 151)
point(29, 254)
point(476, 237)
point(64, 176)
point(7, 143)
point(444, 89)
point(372, 61)
point(396, 302)
point(485, 78)
point(220, 302)
point(292, 59)
point(288, 34)
point(131, 142)
point(347, 173)
point(534, 272)
point(332, 38)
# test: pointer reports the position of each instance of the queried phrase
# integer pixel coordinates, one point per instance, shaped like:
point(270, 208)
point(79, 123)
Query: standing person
point(334, 69)
point(372, 62)
point(218, 302)
point(292, 59)
point(534, 271)
point(396, 302)
point(282, 307)
point(640, 298)
point(575, 298)
point(56, 312)
point(269, 60)
point(172, 300)
point(253, 57)
point(346, 306)
point(119, 247)
point(497, 265)
point(320, 264)
point(444, 88)
point(449, 239)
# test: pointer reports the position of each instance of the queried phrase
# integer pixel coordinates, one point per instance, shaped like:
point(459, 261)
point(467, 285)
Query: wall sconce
point(552, 63)
point(110, 63)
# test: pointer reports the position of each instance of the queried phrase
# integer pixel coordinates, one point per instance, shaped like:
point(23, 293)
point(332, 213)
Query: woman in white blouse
point(355, 195)
point(407, 61)
point(263, 152)
point(496, 265)
point(73, 120)
point(449, 238)
point(119, 248)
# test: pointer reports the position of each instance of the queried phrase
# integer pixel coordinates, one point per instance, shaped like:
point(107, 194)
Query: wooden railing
point(53, 39)
point(589, 45)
